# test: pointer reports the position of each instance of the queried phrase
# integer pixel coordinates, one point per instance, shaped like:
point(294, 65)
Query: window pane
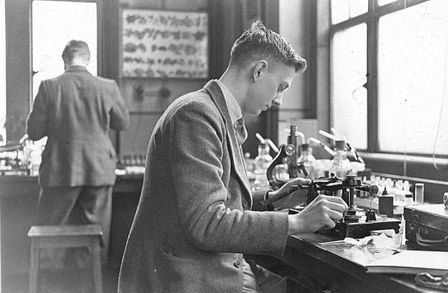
point(55, 23)
point(413, 49)
point(349, 96)
point(358, 7)
point(2, 75)
point(340, 10)
point(344, 9)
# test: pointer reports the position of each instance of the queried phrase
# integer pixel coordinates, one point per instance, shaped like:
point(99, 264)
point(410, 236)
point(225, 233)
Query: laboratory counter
point(327, 264)
point(329, 267)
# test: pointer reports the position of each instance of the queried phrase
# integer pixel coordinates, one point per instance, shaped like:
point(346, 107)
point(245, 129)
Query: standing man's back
point(75, 111)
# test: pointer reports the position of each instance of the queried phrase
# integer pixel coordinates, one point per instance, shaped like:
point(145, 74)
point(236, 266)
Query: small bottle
point(340, 164)
point(408, 199)
point(307, 159)
point(419, 193)
point(35, 160)
point(399, 238)
point(406, 187)
point(280, 172)
point(262, 162)
point(445, 199)
point(250, 165)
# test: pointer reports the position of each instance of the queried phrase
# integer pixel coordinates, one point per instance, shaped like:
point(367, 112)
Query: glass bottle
point(409, 199)
point(340, 165)
point(262, 162)
point(419, 192)
point(307, 159)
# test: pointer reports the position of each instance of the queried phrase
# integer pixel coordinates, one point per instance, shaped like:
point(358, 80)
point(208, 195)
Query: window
point(404, 55)
point(54, 24)
point(412, 79)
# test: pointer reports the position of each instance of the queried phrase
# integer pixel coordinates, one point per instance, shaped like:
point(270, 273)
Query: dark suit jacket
point(193, 220)
point(75, 111)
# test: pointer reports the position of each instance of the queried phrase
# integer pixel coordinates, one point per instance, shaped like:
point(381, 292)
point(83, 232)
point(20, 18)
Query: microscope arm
point(281, 155)
point(271, 200)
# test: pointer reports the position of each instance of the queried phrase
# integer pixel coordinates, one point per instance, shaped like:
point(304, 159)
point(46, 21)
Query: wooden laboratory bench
point(337, 267)
point(18, 212)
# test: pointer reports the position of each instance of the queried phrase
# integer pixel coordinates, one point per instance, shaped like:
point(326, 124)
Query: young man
point(193, 223)
point(75, 111)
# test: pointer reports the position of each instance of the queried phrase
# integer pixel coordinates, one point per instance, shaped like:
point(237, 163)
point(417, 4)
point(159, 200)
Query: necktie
point(241, 136)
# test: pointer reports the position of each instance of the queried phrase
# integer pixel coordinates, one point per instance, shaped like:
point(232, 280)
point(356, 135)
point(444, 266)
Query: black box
point(427, 226)
point(386, 205)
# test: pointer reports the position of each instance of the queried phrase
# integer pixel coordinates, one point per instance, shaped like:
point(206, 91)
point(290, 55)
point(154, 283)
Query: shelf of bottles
point(401, 191)
point(131, 164)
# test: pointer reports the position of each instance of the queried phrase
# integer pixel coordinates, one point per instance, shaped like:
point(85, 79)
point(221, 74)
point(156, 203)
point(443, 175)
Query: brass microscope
point(356, 223)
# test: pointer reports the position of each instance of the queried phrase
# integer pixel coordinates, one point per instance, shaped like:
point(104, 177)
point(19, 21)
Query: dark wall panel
point(147, 98)
point(17, 18)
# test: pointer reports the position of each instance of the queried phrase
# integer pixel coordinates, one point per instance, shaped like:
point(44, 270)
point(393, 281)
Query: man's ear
point(259, 68)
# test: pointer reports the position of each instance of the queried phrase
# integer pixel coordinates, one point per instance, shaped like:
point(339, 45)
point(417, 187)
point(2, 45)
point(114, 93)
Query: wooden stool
point(64, 237)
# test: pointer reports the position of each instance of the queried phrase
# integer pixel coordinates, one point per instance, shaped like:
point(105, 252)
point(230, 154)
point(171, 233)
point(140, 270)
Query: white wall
point(292, 26)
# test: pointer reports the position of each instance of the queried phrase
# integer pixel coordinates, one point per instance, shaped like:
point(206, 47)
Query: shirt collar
point(73, 68)
point(232, 103)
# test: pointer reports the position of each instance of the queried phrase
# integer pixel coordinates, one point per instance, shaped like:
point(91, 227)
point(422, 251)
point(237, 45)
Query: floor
point(79, 281)
point(61, 282)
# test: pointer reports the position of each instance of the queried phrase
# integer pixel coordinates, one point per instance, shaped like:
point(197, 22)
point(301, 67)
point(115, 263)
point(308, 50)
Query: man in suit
point(194, 220)
point(75, 111)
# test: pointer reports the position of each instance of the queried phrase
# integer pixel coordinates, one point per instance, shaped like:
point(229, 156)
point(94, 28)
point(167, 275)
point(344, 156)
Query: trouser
point(79, 205)
point(260, 280)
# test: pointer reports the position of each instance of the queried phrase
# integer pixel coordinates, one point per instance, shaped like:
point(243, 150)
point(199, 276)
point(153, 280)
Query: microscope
point(354, 224)
point(284, 164)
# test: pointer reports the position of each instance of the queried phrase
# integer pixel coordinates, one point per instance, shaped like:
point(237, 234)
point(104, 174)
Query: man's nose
point(277, 100)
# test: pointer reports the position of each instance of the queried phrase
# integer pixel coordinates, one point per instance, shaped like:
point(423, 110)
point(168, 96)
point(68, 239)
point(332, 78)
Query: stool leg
point(34, 266)
point(97, 279)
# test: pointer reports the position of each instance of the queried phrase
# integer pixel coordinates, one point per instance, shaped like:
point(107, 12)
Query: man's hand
point(323, 212)
point(289, 186)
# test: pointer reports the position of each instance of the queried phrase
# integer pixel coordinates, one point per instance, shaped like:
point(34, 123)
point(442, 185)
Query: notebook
point(412, 262)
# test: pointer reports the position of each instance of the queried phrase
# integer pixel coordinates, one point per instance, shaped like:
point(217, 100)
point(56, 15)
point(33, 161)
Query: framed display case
point(164, 44)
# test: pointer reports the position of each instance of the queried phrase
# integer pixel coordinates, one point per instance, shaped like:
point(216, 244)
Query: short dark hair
point(75, 48)
point(258, 42)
